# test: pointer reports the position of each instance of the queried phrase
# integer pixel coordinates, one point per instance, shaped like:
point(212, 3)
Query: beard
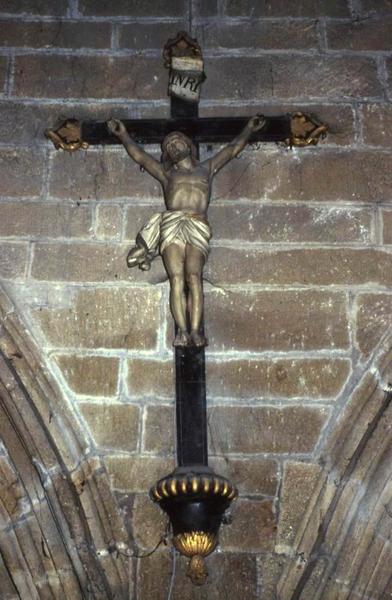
point(179, 155)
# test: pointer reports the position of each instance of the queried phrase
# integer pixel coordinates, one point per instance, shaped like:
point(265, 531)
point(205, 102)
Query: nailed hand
point(116, 127)
point(256, 123)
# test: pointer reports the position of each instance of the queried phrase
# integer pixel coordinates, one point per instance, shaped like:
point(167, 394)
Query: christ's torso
point(188, 190)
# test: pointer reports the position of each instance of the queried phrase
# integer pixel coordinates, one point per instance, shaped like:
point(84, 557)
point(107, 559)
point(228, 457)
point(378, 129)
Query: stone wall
point(298, 284)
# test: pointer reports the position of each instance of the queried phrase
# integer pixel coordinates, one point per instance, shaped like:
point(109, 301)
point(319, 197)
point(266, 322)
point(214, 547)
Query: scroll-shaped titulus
point(305, 130)
point(67, 136)
point(182, 55)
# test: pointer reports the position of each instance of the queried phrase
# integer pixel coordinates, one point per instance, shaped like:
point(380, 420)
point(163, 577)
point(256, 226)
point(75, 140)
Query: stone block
point(263, 77)
point(341, 445)
point(273, 35)
point(361, 34)
point(376, 124)
point(300, 267)
point(290, 223)
point(299, 480)
point(253, 527)
point(133, 8)
point(34, 7)
point(271, 320)
point(90, 262)
point(252, 476)
point(270, 571)
point(376, 6)
point(151, 378)
point(104, 318)
point(97, 498)
point(384, 365)
point(233, 573)
point(149, 522)
point(13, 377)
point(40, 566)
point(387, 226)
point(109, 222)
point(253, 430)
point(60, 34)
point(100, 175)
point(113, 426)
point(71, 76)
point(312, 586)
point(247, 379)
point(159, 429)
point(206, 8)
point(389, 70)
point(14, 498)
point(21, 172)
point(43, 219)
point(137, 473)
point(90, 375)
point(352, 176)
point(380, 577)
point(98, 262)
point(80, 262)
point(282, 8)
point(13, 260)
point(139, 36)
point(333, 590)
point(374, 319)
point(8, 588)
point(3, 73)
point(362, 553)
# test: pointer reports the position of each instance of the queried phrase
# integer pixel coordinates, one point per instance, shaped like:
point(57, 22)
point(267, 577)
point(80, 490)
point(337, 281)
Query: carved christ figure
point(181, 234)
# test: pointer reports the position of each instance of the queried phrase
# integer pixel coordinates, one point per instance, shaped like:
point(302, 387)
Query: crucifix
point(193, 496)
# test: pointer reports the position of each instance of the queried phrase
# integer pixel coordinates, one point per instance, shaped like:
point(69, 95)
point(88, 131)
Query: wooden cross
point(193, 496)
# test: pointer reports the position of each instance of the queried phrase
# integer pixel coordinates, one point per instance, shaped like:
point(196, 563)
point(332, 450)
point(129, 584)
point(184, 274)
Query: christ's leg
point(174, 258)
point(194, 263)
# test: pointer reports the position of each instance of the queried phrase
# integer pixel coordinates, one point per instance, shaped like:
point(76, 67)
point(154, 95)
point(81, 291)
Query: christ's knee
point(177, 282)
point(193, 280)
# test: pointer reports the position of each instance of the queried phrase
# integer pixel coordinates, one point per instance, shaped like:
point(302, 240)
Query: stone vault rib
point(343, 546)
point(59, 524)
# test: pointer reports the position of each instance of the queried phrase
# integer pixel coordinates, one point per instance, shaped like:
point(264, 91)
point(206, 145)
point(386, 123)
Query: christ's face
point(177, 149)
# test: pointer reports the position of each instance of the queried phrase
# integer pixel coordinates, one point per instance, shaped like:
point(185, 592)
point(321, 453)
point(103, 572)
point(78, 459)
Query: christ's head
point(175, 147)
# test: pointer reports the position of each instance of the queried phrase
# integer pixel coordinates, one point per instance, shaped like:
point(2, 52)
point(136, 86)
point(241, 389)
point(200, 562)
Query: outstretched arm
point(235, 146)
point(143, 159)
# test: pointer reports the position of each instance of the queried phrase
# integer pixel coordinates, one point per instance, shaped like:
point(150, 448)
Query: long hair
point(165, 159)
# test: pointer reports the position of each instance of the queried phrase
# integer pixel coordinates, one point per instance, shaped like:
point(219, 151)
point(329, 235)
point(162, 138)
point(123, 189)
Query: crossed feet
point(194, 338)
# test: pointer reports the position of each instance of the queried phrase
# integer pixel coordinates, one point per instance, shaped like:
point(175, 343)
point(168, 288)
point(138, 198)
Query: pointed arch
point(60, 530)
point(343, 546)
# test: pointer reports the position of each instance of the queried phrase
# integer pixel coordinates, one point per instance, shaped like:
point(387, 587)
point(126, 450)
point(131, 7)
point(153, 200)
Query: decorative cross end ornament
point(305, 130)
point(67, 136)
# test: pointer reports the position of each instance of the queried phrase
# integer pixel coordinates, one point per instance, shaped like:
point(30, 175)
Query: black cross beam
point(208, 130)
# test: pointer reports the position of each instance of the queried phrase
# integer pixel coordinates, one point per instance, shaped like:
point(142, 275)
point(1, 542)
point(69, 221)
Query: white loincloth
point(175, 227)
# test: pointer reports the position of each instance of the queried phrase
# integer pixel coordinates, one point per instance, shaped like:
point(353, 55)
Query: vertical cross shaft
point(191, 415)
